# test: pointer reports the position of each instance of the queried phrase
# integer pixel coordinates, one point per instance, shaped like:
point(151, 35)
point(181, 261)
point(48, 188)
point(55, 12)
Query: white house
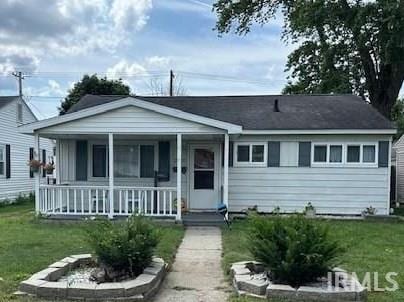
point(398, 158)
point(16, 148)
point(245, 151)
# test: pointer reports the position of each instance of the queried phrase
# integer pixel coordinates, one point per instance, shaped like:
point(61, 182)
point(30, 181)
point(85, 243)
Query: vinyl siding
point(131, 119)
point(19, 182)
point(332, 190)
point(400, 173)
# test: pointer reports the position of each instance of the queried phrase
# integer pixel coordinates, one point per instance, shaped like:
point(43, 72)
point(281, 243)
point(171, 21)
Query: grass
point(370, 247)
point(28, 245)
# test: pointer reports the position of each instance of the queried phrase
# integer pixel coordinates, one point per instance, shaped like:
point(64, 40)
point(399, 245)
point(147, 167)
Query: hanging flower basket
point(49, 168)
point(34, 165)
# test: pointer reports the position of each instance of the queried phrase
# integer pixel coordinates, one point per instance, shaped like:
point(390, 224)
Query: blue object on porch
point(222, 209)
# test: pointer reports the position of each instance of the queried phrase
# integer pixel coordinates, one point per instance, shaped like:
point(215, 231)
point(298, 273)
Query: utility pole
point(20, 77)
point(172, 76)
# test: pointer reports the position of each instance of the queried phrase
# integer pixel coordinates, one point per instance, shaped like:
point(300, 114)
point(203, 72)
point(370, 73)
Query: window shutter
point(81, 160)
point(164, 161)
point(8, 162)
point(231, 153)
point(304, 154)
point(31, 157)
point(44, 162)
point(147, 161)
point(383, 154)
point(273, 154)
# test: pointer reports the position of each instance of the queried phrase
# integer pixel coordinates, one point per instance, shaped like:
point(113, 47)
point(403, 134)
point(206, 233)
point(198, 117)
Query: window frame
point(344, 162)
point(250, 163)
point(3, 160)
point(91, 143)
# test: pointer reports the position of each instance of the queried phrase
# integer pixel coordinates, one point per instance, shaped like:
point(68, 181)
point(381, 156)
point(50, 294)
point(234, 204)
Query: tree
point(92, 85)
point(344, 45)
point(158, 88)
point(397, 116)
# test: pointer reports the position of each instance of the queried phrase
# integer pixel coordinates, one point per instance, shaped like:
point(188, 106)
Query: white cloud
point(124, 68)
point(130, 15)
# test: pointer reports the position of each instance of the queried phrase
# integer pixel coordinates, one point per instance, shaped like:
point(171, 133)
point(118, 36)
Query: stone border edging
point(245, 284)
point(45, 283)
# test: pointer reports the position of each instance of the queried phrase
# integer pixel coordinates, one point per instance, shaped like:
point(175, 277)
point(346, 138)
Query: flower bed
point(54, 282)
point(250, 278)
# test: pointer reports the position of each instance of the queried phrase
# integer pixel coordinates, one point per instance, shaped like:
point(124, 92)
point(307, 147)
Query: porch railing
point(95, 200)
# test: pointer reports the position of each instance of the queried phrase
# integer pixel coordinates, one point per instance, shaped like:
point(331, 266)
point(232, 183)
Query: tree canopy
point(92, 85)
point(344, 46)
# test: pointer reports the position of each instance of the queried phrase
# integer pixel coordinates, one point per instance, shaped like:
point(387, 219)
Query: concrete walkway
point(196, 274)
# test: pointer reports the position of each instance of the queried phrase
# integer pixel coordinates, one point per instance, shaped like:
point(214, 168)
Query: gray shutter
point(304, 154)
point(147, 161)
point(274, 153)
point(231, 153)
point(164, 161)
point(384, 154)
point(44, 162)
point(8, 162)
point(31, 157)
point(81, 160)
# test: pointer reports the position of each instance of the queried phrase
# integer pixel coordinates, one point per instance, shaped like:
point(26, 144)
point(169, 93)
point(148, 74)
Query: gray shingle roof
point(5, 100)
point(307, 112)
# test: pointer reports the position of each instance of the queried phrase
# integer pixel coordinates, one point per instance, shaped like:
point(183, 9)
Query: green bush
point(127, 246)
point(295, 250)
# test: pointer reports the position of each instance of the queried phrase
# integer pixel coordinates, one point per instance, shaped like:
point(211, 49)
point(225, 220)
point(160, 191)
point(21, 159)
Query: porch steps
point(202, 219)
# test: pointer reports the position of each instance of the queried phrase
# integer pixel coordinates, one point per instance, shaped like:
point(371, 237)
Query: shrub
point(294, 249)
point(127, 246)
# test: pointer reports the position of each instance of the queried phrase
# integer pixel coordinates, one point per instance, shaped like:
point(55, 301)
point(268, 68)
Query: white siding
point(131, 119)
point(400, 174)
point(332, 190)
point(19, 182)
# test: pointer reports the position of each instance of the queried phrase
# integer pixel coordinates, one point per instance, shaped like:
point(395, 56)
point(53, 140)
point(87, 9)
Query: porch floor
point(202, 219)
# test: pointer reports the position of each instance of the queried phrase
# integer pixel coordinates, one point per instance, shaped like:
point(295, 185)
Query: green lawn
point(370, 247)
point(28, 245)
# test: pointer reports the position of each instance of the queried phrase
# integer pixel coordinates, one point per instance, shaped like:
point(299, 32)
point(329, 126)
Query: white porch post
point(37, 175)
point(58, 161)
point(179, 155)
point(111, 174)
point(226, 171)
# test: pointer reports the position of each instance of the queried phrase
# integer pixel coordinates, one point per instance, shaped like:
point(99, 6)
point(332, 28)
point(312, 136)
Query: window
point(2, 160)
point(126, 161)
point(369, 153)
point(243, 153)
point(335, 153)
point(99, 161)
point(19, 113)
point(320, 153)
point(251, 154)
point(353, 154)
point(131, 160)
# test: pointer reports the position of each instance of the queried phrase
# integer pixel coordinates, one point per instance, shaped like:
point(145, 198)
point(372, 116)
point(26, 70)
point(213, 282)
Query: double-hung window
point(2, 160)
point(251, 154)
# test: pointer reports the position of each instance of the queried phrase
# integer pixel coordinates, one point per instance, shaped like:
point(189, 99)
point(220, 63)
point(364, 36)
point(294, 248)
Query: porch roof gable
point(129, 101)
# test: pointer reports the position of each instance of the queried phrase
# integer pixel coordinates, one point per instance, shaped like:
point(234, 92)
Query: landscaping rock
point(30, 286)
point(109, 290)
point(81, 290)
point(254, 286)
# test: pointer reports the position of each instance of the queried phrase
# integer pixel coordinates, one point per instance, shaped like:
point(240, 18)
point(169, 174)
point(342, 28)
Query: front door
point(204, 176)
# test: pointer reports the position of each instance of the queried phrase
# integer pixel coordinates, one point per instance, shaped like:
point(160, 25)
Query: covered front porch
point(159, 175)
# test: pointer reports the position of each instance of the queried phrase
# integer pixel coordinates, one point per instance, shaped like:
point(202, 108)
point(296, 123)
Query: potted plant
point(34, 165)
point(49, 168)
point(310, 210)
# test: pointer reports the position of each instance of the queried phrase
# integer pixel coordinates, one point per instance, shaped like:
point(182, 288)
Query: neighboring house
point(398, 160)
point(16, 148)
point(245, 151)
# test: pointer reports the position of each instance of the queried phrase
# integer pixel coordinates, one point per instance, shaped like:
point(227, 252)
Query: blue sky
point(56, 42)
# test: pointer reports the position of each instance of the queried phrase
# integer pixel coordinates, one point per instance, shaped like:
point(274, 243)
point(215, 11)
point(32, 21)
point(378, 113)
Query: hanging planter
point(49, 168)
point(34, 165)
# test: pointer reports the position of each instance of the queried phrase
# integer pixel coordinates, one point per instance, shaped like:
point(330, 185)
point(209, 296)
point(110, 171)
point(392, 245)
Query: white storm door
point(204, 176)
